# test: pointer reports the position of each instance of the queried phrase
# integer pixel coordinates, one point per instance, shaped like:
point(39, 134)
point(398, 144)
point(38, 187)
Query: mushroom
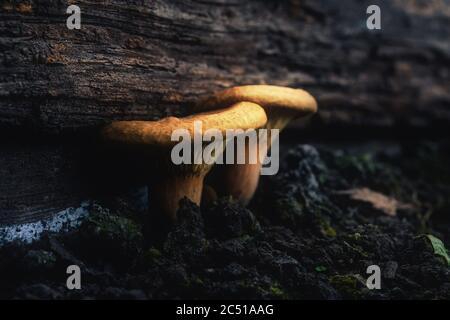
point(281, 105)
point(170, 182)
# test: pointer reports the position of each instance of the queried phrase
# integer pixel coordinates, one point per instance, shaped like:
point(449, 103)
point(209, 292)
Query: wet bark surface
point(148, 59)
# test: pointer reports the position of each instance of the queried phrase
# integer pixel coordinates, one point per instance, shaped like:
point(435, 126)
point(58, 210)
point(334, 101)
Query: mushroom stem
point(166, 193)
point(244, 188)
point(241, 180)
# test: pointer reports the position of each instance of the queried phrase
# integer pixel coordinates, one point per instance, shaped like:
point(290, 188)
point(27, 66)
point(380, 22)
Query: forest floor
point(310, 233)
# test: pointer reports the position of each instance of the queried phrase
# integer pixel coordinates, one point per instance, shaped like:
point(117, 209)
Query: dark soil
point(299, 239)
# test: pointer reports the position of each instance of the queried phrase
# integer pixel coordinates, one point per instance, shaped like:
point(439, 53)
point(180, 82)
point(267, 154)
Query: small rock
point(390, 269)
point(38, 292)
point(38, 261)
point(226, 219)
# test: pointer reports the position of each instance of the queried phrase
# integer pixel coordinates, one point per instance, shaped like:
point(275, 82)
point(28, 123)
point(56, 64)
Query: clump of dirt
point(299, 239)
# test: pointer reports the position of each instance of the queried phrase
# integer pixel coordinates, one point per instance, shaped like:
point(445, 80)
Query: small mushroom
point(281, 105)
point(170, 182)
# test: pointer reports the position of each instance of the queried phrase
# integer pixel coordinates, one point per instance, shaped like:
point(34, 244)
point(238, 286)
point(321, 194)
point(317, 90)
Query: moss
point(329, 231)
point(39, 260)
point(154, 253)
point(112, 225)
point(323, 178)
point(151, 257)
point(348, 285)
point(261, 289)
point(193, 283)
point(354, 236)
point(289, 210)
point(320, 269)
point(325, 228)
point(357, 165)
point(115, 237)
point(197, 281)
point(277, 292)
point(358, 249)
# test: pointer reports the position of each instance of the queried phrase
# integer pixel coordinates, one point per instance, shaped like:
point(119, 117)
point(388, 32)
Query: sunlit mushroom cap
point(242, 115)
point(297, 100)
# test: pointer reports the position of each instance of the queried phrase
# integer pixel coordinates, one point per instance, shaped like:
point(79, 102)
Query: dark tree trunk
point(148, 59)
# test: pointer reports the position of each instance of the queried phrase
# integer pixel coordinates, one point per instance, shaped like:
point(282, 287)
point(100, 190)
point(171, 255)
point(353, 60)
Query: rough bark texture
point(147, 59)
